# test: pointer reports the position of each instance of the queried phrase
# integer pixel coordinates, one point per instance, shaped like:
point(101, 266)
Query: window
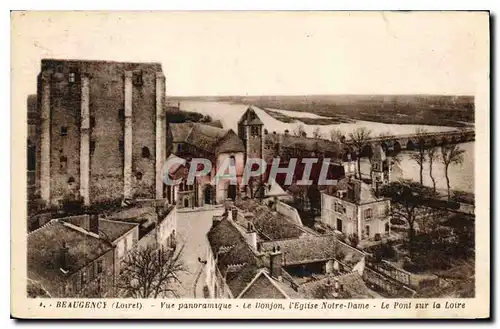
point(92, 147)
point(137, 78)
point(91, 273)
point(63, 164)
point(145, 152)
point(138, 175)
point(255, 131)
point(72, 77)
point(339, 208)
point(99, 266)
point(121, 147)
point(369, 213)
point(64, 131)
point(339, 224)
point(84, 276)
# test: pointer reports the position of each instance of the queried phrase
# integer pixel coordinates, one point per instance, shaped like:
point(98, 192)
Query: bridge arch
point(397, 147)
point(410, 146)
point(367, 151)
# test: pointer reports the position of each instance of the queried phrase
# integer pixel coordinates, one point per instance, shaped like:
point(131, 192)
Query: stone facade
point(102, 130)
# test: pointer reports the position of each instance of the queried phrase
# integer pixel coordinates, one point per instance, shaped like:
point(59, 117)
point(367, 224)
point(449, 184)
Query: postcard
point(257, 165)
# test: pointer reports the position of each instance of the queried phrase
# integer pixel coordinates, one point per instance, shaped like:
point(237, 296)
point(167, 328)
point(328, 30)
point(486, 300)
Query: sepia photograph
point(250, 164)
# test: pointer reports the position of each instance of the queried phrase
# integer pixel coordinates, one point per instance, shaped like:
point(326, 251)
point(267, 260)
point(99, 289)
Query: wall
point(355, 215)
point(167, 229)
point(91, 287)
point(377, 222)
point(64, 112)
point(222, 184)
point(123, 246)
point(329, 215)
point(106, 104)
point(289, 212)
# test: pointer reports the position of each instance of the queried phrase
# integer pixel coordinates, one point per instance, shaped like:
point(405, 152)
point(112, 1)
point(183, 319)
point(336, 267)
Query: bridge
point(410, 142)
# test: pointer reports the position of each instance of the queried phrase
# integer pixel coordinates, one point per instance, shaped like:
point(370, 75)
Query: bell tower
point(250, 130)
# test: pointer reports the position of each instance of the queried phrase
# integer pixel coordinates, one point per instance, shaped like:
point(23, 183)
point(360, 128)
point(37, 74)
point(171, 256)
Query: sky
point(267, 53)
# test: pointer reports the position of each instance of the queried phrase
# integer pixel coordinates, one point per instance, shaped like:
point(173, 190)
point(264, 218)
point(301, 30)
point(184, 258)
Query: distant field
point(452, 111)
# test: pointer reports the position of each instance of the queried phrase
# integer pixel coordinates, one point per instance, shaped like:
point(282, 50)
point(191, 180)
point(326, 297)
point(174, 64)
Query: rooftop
point(353, 190)
point(353, 287)
point(311, 249)
point(235, 260)
point(44, 246)
point(271, 225)
point(207, 137)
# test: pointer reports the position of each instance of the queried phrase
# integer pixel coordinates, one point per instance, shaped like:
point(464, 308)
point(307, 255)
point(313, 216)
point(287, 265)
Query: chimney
point(234, 214)
point(94, 223)
point(251, 236)
point(276, 258)
point(64, 257)
point(336, 288)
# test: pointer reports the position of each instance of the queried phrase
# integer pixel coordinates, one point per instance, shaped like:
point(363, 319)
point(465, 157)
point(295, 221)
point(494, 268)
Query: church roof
point(250, 118)
point(207, 137)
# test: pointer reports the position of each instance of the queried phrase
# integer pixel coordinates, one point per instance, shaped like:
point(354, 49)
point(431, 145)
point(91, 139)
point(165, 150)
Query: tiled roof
point(271, 225)
point(113, 230)
point(44, 247)
point(362, 192)
point(263, 286)
point(207, 137)
point(353, 287)
point(310, 249)
point(235, 260)
point(230, 143)
point(109, 230)
point(250, 118)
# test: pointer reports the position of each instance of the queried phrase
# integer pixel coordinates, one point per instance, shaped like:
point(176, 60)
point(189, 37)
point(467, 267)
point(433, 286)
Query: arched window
point(145, 152)
point(138, 175)
point(63, 164)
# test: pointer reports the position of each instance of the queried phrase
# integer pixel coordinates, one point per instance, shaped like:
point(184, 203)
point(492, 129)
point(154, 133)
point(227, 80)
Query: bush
point(353, 240)
point(377, 237)
point(397, 221)
point(384, 251)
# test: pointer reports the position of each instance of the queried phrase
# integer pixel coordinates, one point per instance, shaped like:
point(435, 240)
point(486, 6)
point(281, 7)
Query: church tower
point(250, 130)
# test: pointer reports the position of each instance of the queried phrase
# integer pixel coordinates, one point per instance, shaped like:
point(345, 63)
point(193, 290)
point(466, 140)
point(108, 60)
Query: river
point(461, 175)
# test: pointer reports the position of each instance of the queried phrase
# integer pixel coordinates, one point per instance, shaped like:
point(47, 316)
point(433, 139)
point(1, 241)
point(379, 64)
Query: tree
point(451, 154)
point(299, 130)
point(419, 155)
point(337, 136)
point(409, 200)
point(149, 272)
point(431, 156)
point(317, 133)
point(359, 139)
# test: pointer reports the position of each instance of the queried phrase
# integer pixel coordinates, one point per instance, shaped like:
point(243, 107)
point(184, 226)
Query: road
point(192, 228)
